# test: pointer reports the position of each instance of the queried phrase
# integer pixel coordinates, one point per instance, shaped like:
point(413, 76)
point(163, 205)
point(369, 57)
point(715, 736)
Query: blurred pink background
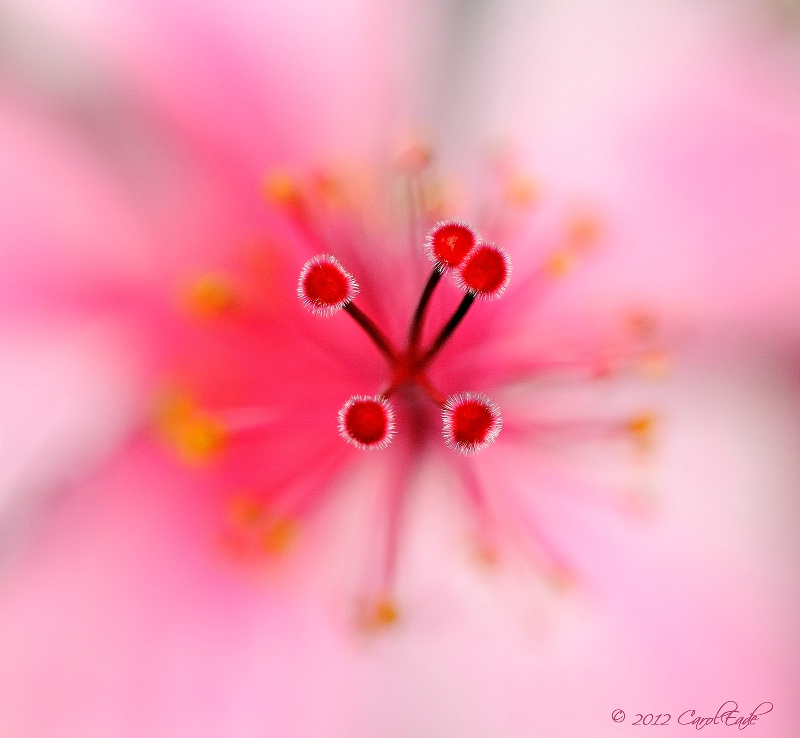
point(133, 142)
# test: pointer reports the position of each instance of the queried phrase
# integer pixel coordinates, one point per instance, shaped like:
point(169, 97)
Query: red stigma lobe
point(325, 286)
point(471, 422)
point(367, 422)
point(485, 271)
point(448, 243)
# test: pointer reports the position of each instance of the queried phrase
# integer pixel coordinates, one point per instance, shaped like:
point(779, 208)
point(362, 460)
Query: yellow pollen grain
point(656, 364)
point(331, 190)
point(280, 188)
point(583, 230)
point(278, 536)
point(485, 555)
point(209, 296)
point(641, 428)
point(382, 614)
point(560, 263)
point(172, 410)
point(199, 438)
point(244, 511)
point(522, 191)
point(643, 324)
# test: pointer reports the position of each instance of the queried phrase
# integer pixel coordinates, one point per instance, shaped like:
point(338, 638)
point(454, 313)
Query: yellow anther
point(644, 325)
point(522, 191)
point(278, 535)
point(382, 613)
point(209, 296)
point(280, 188)
point(485, 554)
point(656, 364)
point(583, 230)
point(244, 511)
point(560, 263)
point(172, 410)
point(641, 428)
point(199, 438)
point(196, 436)
point(331, 189)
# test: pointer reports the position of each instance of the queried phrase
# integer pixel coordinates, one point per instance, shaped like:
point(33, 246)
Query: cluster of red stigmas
point(470, 420)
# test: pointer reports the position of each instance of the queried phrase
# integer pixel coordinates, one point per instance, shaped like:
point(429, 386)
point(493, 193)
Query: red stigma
point(367, 422)
point(471, 422)
point(449, 242)
point(485, 271)
point(325, 286)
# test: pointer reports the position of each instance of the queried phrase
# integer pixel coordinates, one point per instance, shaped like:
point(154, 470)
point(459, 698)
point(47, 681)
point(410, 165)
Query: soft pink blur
point(134, 137)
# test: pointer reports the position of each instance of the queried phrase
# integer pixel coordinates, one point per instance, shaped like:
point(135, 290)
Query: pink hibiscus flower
point(141, 607)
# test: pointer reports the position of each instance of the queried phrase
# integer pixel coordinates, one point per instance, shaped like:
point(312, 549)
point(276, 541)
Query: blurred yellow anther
point(172, 410)
point(280, 188)
point(199, 438)
point(196, 436)
point(560, 263)
point(656, 364)
point(485, 554)
point(522, 191)
point(383, 613)
point(278, 536)
point(331, 190)
point(583, 230)
point(244, 511)
point(641, 428)
point(644, 325)
point(209, 296)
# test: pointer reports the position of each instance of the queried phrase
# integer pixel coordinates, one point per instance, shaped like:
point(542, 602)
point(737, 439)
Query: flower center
point(470, 421)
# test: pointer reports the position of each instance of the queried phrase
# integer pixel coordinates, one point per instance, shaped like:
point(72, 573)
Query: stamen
point(449, 242)
point(278, 536)
point(209, 296)
point(641, 428)
point(367, 422)
point(280, 188)
point(485, 271)
point(325, 287)
point(380, 614)
point(196, 436)
point(471, 422)
point(521, 191)
point(199, 438)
